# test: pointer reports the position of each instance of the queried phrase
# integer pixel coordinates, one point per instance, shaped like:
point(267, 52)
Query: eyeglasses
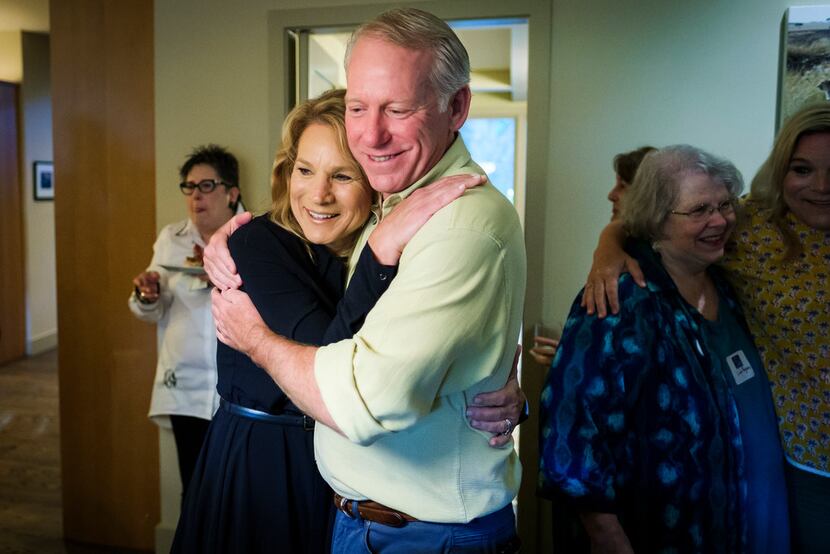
point(205, 186)
point(703, 211)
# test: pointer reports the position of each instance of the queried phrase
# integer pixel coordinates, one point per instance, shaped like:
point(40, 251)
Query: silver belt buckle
point(342, 507)
point(308, 423)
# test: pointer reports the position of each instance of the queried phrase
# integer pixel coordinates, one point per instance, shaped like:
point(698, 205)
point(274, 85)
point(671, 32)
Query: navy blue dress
point(256, 487)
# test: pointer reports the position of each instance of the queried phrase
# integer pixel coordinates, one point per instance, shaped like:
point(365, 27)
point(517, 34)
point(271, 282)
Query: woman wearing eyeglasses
point(174, 293)
point(657, 423)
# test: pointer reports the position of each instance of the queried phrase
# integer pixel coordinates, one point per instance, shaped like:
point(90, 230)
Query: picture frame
point(804, 73)
point(44, 181)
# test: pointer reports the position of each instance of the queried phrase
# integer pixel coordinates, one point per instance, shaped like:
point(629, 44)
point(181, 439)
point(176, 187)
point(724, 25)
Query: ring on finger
point(508, 427)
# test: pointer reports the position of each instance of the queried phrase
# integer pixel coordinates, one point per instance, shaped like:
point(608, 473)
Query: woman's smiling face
point(328, 197)
point(695, 243)
point(807, 181)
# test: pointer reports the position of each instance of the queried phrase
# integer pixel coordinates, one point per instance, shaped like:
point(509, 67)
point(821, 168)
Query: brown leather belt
point(372, 511)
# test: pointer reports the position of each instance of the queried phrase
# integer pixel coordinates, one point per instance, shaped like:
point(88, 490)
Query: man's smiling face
point(395, 127)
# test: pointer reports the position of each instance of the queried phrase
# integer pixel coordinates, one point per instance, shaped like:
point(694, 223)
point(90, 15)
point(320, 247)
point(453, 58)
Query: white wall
point(658, 72)
point(39, 217)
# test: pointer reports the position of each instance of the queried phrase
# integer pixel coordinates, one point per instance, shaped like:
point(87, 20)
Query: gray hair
point(656, 186)
point(415, 29)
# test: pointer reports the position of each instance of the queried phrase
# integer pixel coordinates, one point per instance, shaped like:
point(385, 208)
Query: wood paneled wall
point(12, 271)
point(102, 91)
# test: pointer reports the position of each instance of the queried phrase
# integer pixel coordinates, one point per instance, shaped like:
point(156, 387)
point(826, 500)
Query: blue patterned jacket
point(637, 419)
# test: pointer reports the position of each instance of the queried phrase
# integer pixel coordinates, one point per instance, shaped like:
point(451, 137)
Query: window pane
point(492, 144)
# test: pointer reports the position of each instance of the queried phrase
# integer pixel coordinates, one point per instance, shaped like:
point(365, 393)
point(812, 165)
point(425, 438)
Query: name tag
point(739, 364)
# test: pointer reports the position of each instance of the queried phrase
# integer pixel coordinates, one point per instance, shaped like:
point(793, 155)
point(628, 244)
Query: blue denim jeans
point(490, 534)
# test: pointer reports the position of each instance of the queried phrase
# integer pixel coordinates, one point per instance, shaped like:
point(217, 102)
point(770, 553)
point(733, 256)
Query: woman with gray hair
point(657, 423)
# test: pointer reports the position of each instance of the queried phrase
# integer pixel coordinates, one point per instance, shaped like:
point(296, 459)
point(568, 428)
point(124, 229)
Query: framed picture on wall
point(805, 75)
point(44, 180)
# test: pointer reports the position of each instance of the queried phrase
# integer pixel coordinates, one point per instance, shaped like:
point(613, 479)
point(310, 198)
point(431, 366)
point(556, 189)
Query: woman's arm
point(282, 282)
point(378, 262)
point(491, 410)
point(369, 282)
point(398, 227)
point(544, 349)
point(218, 262)
point(287, 301)
point(610, 261)
point(144, 301)
point(150, 298)
point(605, 533)
point(222, 270)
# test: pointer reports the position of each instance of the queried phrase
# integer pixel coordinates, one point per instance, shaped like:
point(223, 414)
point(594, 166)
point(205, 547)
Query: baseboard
point(164, 538)
point(42, 343)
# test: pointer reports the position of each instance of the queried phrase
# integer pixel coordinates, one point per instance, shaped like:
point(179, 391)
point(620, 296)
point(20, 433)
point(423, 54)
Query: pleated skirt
point(255, 489)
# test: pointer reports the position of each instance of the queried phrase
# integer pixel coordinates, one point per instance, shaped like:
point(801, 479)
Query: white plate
point(185, 269)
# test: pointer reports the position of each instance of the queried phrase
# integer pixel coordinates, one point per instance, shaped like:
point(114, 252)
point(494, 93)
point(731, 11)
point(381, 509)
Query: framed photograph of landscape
point(805, 75)
point(44, 179)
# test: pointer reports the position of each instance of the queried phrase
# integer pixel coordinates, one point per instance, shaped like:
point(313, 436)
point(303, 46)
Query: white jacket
point(185, 382)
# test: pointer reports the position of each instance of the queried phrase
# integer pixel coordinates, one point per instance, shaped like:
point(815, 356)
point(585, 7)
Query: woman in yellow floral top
point(779, 265)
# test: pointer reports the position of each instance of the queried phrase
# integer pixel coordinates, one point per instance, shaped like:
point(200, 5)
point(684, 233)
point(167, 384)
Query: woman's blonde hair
point(768, 185)
point(327, 109)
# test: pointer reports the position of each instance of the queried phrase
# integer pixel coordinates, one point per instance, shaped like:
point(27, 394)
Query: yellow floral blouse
point(787, 306)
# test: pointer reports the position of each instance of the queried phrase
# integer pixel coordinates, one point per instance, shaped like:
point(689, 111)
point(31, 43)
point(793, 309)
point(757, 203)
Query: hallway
point(30, 485)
